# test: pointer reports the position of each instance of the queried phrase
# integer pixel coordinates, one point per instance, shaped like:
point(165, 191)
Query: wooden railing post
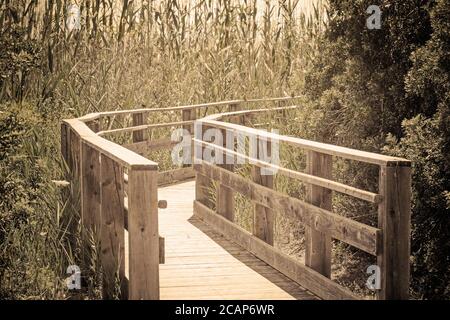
point(65, 142)
point(90, 188)
point(143, 234)
point(236, 119)
point(394, 219)
point(263, 218)
point(112, 234)
point(318, 244)
point(225, 195)
point(188, 115)
point(139, 119)
point(202, 183)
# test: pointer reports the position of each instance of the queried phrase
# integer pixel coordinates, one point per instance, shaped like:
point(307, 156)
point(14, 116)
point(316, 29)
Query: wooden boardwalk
point(208, 256)
point(201, 264)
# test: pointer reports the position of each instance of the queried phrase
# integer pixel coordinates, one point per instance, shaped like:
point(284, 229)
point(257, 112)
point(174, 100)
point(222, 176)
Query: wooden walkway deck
point(208, 256)
point(201, 264)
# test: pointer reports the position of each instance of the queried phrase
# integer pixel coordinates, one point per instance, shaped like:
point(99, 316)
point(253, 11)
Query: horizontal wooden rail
point(346, 153)
point(321, 224)
point(110, 171)
point(326, 183)
point(98, 167)
point(144, 127)
point(311, 280)
point(98, 115)
point(357, 234)
point(118, 153)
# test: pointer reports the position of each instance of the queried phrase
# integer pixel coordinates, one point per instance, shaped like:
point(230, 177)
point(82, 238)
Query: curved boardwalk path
point(208, 256)
point(202, 264)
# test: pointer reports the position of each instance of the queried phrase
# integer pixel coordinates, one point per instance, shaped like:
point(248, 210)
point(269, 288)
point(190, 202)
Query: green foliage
point(377, 90)
point(19, 57)
point(427, 143)
point(368, 83)
point(423, 144)
point(27, 267)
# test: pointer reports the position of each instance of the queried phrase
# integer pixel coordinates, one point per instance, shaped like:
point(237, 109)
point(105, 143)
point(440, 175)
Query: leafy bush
point(368, 84)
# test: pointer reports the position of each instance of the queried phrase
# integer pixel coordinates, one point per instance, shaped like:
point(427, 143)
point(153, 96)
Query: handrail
point(100, 166)
point(97, 115)
point(120, 154)
point(390, 242)
point(344, 152)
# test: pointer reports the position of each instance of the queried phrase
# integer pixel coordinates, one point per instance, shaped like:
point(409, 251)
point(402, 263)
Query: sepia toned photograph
point(222, 150)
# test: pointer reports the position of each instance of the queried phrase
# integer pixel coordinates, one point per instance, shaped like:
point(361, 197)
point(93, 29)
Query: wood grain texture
point(143, 235)
point(202, 264)
point(112, 243)
point(90, 188)
point(318, 244)
point(346, 153)
point(225, 196)
point(394, 218)
point(139, 119)
point(354, 233)
point(307, 178)
point(263, 217)
point(308, 278)
point(175, 175)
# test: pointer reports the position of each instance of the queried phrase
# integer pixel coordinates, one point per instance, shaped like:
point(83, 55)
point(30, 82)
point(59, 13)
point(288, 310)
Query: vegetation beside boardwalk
point(382, 90)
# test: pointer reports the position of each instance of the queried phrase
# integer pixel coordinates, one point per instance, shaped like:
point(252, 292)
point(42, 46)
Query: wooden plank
point(65, 142)
point(318, 244)
point(75, 155)
point(225, 196)
point(114, 151)
point(202, 263)
point(90, 188)
point(144, 127)
point(176, 175)
point(178, 108)
point(162, 250)
point(354, 233)
point(161, 240)
point(304, 177)
point(394, 218)
point(346, 153)
point(139, 119)
point(112, 253)
point(185, 107)
point(189, 115)
point(144, 147)
point(310, 279)
point(263, 217)
point(201, 189)
point(143, 235)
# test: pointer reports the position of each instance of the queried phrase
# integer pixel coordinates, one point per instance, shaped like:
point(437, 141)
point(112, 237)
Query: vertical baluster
point(263, 217)
point(139, 119)
point(143, 234)
point(318, 244)
point(394, 219)
point(112, 233)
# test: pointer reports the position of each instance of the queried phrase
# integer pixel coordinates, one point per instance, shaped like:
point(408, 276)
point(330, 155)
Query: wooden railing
point(99, 166)
point(389, 241)
point(118, 187)
point(119, 191)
